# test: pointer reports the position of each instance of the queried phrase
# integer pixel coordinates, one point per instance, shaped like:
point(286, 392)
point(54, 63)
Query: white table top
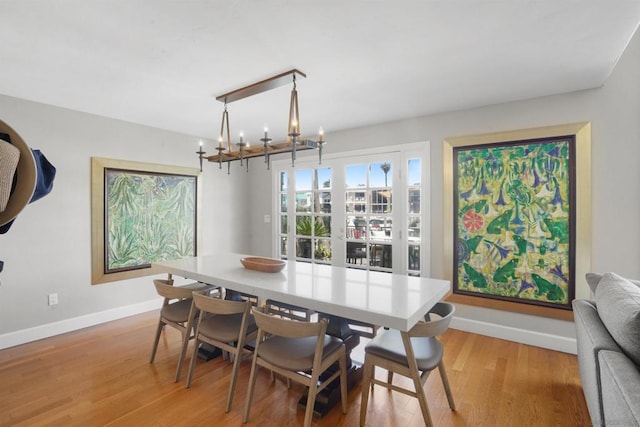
point(392, 300)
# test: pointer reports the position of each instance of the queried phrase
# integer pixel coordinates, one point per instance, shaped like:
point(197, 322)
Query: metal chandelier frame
point(244, 151)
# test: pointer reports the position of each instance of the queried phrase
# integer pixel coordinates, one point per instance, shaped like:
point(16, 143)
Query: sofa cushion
point(618, 302)
point(594, 278)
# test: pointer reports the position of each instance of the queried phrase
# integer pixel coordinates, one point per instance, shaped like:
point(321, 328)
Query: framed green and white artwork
point(142, 213)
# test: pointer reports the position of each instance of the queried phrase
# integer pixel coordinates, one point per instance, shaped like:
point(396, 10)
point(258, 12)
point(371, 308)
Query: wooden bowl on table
point(265, 265)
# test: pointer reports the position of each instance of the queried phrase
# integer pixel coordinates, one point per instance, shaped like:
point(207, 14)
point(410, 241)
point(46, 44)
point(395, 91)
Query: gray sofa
point(608, 337)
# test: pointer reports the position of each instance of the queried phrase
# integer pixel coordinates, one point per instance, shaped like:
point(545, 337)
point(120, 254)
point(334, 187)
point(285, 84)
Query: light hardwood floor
point(102, 376)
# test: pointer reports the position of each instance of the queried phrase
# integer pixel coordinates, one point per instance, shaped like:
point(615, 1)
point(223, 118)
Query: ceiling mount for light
point(292, 142)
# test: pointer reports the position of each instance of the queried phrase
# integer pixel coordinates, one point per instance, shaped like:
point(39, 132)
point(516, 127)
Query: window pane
point(303, 248)
point(381, 201)
point(303, 180)
point(413, 232)
point(380, 228)
point(414, 257)
point(414, 172)
point(322, 250)
point(283, 184)
point(356, 201)
point(356, 176)
point(380, 255)
point(414, 181)
point(303, 201)
point(323, 202)
point(322, 226)
point(414, 200)
point(324, 178)
point(380, 175)
point(356, 253)
point(356, 227)
point(303, 226)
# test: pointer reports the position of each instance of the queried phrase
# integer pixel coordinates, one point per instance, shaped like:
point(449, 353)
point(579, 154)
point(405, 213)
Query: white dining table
point(395, 301)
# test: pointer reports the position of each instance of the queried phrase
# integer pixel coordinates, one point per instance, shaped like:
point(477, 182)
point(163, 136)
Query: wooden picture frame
point(141, 213)
point(518, 218)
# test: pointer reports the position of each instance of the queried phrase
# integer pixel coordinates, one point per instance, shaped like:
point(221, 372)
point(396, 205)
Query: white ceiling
point(162, 62)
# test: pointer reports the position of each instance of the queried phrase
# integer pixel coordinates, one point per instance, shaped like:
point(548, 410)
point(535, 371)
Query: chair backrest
point(166, 289)
point(431, 328)
point(165, 281)
point(207, 304)
point(288, 328)
point(281, 327)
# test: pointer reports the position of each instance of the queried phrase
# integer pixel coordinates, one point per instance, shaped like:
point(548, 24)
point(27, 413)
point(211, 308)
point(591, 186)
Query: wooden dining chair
point(227, 325)
point(294, 349)
point(412, 354)
point(175, 312)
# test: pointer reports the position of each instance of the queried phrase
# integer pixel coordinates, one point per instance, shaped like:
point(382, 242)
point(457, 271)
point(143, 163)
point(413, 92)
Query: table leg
point(330, 396)
point(207, 352)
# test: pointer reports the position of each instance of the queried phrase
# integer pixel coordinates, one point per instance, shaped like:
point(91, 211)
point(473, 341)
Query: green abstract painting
point(514, 221)
point(149, 217)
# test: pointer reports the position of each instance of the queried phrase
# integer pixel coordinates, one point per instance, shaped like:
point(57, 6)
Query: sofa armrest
point(620, 389)
point(591, 338)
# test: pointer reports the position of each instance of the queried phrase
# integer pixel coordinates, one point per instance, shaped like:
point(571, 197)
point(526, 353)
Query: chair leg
point(234, 375)
point(367, 374)
point(252, 383)
point(311, 399)
point(415, 377)
point(422, 398)
point(445, 383)
point(156, 340)
point(185, 343)
point(343, 380)
point(186, 336)
point(192, 364)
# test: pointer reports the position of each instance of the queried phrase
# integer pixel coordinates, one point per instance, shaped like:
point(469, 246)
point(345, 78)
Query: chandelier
point(242, 151)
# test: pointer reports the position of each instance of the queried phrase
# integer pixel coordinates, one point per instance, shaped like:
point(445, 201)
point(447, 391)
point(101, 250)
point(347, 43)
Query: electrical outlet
point(267, 219)
point(53, 299)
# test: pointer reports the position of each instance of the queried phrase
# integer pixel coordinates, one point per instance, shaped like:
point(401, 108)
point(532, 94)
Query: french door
point(359, 211)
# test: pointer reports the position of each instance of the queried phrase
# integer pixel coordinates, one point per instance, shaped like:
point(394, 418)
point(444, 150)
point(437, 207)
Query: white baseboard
point(45, 331)
point(538, 339)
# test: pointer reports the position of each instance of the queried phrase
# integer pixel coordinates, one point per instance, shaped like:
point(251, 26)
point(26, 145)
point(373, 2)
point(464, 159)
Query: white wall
point(48, 248)
point(613, 110)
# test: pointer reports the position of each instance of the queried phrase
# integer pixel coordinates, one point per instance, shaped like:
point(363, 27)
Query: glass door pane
point(368, 214)
point(313, 214)
point(414, 199)
point(283, 230)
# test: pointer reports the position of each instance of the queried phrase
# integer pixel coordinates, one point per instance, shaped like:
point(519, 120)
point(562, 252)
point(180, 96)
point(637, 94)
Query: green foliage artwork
point(149, 217)
point(513, 224)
